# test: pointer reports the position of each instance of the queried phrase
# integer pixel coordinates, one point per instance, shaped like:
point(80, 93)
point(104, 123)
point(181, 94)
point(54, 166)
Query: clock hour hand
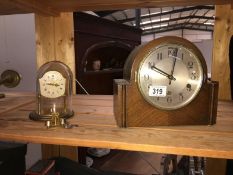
point(53, 84)
point(170, 77)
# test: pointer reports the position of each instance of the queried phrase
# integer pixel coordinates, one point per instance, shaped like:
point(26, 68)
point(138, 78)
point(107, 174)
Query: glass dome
point(54, 91)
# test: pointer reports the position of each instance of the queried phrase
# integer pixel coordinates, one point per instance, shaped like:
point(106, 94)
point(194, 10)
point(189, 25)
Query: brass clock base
point(36, 117)
point(54, 120)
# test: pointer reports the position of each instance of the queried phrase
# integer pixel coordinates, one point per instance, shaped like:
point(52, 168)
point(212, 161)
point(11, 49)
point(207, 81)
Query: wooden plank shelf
point(53, 8)
point(97, 128)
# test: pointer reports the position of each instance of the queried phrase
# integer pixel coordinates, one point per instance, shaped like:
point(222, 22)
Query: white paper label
point(158, 91)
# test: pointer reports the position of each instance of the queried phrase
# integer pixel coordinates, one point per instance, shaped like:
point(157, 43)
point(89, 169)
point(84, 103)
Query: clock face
point(170, 76)
point(52, 84)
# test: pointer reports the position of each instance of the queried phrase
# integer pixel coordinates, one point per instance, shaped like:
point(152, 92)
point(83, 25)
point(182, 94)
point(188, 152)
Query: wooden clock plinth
point(131, 110)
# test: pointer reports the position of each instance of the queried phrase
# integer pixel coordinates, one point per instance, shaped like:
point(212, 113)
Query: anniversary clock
point(165, 83)
point(54, 94)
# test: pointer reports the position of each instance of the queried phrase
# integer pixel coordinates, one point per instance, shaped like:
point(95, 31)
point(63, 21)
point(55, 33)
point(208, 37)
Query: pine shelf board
point(97, 128)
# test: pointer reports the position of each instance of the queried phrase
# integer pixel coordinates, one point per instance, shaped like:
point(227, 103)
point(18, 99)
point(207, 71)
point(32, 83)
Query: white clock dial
point(170, 76)
point(52, 84)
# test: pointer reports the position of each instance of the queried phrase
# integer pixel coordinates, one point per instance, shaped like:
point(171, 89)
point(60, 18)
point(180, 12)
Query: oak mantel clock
point(165, 83)
point(54, 93)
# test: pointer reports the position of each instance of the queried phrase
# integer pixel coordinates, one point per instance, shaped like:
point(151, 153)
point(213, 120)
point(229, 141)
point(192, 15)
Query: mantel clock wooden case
point(165, 83)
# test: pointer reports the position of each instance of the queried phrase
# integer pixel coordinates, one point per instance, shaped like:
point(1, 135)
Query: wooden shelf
point(97, 128)
point(53, 8)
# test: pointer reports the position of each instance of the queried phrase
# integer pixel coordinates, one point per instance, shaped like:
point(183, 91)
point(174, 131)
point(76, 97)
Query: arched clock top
point(142, 51)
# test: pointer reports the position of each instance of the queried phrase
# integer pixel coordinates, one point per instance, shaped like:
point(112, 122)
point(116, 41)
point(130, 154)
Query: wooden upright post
point(55, 41)
point(223, 31)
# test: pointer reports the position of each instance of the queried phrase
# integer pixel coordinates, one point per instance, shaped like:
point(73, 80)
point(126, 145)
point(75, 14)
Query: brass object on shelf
point(10, 79)
point(56, 120)
point(54, 95)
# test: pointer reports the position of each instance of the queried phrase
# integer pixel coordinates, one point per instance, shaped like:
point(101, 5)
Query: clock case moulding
point(132, 110)
point(62, 104)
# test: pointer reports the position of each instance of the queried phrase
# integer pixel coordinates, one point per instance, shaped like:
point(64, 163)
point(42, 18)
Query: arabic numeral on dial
point(159, 56)
point(193, 75)
point(169, 99)
point(146, 77)
point(149, 85)
point(181, 97)
point(190, 65)
point(169, 93)
point(189, 87)
point(150, 64)
point(172, 51)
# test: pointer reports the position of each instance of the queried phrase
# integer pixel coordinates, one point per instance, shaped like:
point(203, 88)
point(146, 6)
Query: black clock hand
point(173, 67)
point(53, 84)
point(170, 77)
point(177, 58)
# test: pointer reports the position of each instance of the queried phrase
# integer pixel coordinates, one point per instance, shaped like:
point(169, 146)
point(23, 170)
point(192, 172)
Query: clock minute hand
point(170, 77)
point(177, 58)
point(173, 67)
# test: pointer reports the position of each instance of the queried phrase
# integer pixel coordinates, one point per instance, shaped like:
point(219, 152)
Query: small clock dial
point(170, 76)
point(52, 84)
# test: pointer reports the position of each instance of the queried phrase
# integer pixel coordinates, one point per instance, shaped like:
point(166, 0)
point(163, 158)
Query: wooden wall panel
point(54, 41)
point(223, 31)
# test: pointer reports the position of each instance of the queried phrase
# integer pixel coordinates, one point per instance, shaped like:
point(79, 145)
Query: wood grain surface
point(223, 31)
point(55, 41)
point(221, 49)
point(97, 128)
point(14, 101)
point(51, 7)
